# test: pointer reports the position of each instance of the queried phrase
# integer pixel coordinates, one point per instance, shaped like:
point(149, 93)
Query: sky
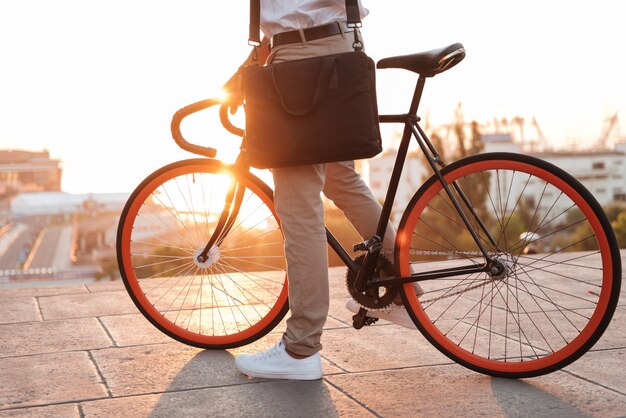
point(96, 83)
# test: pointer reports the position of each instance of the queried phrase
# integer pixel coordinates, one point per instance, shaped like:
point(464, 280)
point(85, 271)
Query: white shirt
point(284, 15)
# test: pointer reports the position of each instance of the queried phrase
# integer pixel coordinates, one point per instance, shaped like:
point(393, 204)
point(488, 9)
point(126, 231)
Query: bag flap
point(298, 85)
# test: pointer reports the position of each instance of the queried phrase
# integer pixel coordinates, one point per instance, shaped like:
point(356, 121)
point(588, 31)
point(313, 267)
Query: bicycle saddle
point(429, 63)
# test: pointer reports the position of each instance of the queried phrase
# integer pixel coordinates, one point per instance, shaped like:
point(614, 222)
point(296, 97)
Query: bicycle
point(519, 264)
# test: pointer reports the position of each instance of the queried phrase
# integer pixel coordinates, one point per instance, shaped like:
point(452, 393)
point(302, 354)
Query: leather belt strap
point(310, 34)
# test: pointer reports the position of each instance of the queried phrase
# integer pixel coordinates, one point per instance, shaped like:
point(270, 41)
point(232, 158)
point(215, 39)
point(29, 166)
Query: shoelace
point(269, 353)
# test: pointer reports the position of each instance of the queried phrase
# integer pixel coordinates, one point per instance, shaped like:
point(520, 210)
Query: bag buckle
point(357, 44)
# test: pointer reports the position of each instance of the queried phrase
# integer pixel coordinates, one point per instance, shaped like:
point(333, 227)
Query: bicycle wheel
point(236, 296)
point(563, 270)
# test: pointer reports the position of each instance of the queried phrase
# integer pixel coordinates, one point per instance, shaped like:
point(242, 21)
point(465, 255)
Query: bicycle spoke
point(529, 317)
point(236, 294)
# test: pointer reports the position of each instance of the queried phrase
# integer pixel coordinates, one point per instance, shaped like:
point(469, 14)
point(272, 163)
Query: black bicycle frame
point(366, 270)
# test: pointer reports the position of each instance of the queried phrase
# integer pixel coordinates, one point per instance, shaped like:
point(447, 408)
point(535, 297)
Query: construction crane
point(519, 121)
point(540, 136)
point(610, 123)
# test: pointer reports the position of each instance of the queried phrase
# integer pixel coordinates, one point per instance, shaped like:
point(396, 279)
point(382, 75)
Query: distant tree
point(613, 210)
point(438, 143)
point(459, 131)
point(619, 226)
point(434, 231)
point(109, 271)
point(477, 145)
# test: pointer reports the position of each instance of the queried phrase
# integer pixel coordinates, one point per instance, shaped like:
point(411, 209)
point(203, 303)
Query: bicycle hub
point(205, 261)
point(501, 267)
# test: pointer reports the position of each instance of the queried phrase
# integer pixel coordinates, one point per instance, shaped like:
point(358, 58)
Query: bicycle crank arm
point(430, 275)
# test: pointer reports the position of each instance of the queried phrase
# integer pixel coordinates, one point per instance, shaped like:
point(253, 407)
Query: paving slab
point(337, 283)
point(164, 367)
point(43, 291)
point(53, 411)
point(338, 311)
point(93, 354)
point(451, 391)
point(52, 336)
point(108, 286)
point(604, 367)
point(86, 305)
point(174, 366)
point(19, 309)
point(133, 329)
point(264, 399)
point(333, 323)
point(615, 334)
point(48, 378)
point(379, 347)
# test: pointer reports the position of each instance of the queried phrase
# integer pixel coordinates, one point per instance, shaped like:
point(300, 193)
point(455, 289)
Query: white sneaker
point(395, 313)
point(275, 363)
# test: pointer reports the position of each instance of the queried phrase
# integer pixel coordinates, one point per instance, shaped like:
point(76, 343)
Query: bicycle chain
point(458, 292)
point(424, 252)
point(432, 300)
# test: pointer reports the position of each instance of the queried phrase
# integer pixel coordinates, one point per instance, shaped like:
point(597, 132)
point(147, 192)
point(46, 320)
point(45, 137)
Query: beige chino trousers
point(299, 206)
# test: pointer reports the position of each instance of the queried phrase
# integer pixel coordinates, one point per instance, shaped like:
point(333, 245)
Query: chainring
point(375, 298)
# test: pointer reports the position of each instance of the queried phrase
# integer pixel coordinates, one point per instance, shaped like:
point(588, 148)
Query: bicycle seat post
point(407, 119)
point(417, 95)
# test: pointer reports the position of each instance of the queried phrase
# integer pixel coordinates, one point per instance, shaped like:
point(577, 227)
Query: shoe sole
point(286, 376)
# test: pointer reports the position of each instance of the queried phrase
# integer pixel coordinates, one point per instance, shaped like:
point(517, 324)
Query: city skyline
point(97, 85)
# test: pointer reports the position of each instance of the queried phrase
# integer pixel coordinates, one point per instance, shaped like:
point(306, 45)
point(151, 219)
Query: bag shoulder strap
point(254, 34)
point(254, 38)
point(353, 14)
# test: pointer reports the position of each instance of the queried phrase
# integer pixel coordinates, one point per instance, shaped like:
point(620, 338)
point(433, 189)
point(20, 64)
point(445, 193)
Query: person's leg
point(301, 212)
point(349, 192)
point(345, 187)
point(300, 209)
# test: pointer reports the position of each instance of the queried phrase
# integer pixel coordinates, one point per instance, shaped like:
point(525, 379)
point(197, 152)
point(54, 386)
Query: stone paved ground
point(84, 350)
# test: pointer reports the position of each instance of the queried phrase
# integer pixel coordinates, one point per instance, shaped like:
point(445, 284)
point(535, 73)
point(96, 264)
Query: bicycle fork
point(228, 215)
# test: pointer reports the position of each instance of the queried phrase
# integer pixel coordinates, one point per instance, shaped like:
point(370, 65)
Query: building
point(59, 235)
point(602, 171)
point(377, 172)
point(61, 203)
point(27, 171)
point(49, 234)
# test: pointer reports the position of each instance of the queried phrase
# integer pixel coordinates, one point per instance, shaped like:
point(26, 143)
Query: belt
point(310, 34)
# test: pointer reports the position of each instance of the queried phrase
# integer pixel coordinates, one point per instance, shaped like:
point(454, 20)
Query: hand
point(234, 91)
point(233, 87)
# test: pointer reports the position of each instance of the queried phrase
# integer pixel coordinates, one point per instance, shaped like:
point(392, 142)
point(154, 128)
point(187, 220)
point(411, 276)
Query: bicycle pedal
point(361, 319)
point(358, 320)
point(371, 245)
point(370, 321)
